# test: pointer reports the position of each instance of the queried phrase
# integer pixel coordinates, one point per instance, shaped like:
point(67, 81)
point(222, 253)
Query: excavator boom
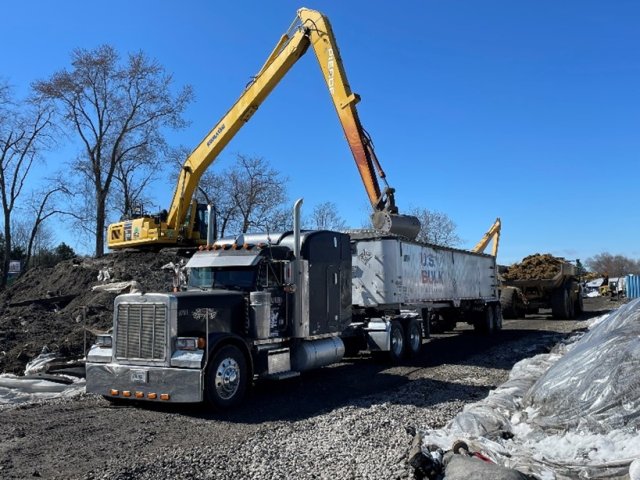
point(310, 29)
point(492, 234)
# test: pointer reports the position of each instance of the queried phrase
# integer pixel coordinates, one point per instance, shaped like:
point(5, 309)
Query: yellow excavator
point(185, 223)
point(493, 234)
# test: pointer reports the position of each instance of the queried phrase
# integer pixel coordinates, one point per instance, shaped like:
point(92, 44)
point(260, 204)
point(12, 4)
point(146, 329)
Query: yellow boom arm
point(310, 28)
point(492, 234)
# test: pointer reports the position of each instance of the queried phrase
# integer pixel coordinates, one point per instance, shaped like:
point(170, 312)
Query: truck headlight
point(104, 341)
point(189, 343)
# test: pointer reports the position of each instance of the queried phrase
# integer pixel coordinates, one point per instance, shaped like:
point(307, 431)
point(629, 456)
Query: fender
point(217, 340)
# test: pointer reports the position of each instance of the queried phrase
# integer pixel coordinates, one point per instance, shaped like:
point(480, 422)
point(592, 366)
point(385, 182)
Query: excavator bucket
point(403, 225)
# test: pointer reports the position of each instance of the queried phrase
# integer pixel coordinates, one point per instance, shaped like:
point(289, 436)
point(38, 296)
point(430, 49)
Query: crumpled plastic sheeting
point(118, 287)
point(15, 389)
point(596, 386)
point(572, 413)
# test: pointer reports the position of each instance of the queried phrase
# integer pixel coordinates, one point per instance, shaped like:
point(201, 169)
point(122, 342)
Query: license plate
point(139, 376)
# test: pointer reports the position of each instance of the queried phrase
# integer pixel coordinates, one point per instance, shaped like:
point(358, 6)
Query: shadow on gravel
point(346, 384)
point(363, 381)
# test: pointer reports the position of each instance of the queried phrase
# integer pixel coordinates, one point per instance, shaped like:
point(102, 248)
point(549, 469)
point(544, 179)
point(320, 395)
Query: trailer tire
point(497, 317)
point(397, 344)
point(226, 378)
point(413, 338)
point(485, 321)
point(508, 300)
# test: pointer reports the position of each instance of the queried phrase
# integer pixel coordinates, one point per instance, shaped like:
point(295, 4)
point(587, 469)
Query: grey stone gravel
point(349, 421)
point(365, 440)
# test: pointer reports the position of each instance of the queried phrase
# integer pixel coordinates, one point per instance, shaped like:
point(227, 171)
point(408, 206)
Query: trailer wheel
point(397, 347)
point(413, 338)
point(226, 378)
point(497, 316)
point(484, 322)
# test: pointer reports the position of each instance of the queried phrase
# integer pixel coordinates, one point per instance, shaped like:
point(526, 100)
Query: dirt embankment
point(538, 265)
point(52, 306)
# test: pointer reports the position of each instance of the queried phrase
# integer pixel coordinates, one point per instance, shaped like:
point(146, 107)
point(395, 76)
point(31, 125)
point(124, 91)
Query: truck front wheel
point(226, 378)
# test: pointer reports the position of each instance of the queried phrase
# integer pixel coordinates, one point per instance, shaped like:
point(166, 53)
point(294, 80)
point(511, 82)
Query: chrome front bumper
point(182, 385)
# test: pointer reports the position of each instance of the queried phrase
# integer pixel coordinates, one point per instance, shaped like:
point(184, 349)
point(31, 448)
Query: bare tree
point(325, 216)
point(42, 206)
point(24, 130)
point(248, 195)
point(133, 177)
point(28, 243)
point(613, 265)
point(436, 228)
point(117, 112)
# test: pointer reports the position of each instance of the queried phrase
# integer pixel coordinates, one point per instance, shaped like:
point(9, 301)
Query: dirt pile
point(52, 306)
point(538, 265)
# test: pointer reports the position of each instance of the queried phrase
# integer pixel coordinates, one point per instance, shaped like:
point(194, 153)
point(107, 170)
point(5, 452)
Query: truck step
point(283, 375)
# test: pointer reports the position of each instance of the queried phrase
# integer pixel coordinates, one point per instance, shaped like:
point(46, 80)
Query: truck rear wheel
point(561, 304)
point(226, 378)
point(579, 303)
point(413, 338)
point(397, 342)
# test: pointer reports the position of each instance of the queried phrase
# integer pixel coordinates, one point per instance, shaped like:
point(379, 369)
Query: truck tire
point(353, 345)
point(485, 321)
point(508, 301)
point(497, 317)
point(579, 303)
point(413, 338)
point(226, 378)
point(397, 342)
point(561, 304)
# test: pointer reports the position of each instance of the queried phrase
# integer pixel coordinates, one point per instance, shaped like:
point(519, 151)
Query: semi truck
point(271, 306)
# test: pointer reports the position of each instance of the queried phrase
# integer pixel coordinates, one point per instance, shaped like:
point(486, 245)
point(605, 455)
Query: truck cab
point(252, 309)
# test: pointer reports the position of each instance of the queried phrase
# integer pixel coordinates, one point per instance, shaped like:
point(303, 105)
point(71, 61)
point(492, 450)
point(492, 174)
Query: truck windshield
point(210, 277)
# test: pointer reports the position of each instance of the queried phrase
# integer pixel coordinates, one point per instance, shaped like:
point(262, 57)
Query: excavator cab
point(196, 224)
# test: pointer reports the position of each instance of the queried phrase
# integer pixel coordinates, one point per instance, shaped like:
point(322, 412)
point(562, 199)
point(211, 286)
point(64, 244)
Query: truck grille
point(141, 331)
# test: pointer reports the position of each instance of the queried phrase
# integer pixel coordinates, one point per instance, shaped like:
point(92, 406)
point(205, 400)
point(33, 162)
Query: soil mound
point(538, 265)
point(54, 307)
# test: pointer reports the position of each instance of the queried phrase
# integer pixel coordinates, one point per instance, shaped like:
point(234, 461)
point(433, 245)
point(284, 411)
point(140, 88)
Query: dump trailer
point(541, 282)
point(270, 306)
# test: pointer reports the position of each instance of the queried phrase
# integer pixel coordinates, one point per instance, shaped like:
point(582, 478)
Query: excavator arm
point(492, 234)
point(310, 29)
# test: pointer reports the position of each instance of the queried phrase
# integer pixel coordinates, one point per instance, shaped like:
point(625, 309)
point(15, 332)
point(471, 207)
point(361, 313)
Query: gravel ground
point(341, 422)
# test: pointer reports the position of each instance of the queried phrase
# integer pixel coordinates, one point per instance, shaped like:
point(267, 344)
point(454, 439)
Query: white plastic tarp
point(573, 413)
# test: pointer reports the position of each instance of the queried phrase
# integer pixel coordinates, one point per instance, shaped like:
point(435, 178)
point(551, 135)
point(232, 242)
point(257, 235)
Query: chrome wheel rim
point(414, 337)
point(397, 342)
point(227, 378)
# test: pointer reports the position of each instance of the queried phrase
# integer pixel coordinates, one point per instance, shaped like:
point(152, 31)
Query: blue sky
point(524, 110)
